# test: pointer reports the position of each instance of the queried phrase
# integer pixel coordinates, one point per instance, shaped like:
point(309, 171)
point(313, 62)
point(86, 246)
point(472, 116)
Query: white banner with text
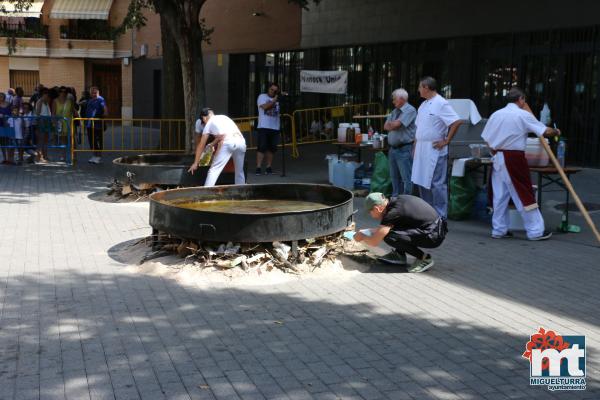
point(334, 82)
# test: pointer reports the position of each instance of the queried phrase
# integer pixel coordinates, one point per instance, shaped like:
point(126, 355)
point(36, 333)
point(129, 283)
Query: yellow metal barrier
point(127, 135)
point(136, 135)
point(248, 126)
point(317, 125)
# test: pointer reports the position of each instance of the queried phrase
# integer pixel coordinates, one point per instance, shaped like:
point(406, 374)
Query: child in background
point(29, 132)
point(16, 123)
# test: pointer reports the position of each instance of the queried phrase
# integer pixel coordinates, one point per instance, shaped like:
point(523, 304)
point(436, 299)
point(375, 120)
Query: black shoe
point(258, 171)
point(269, 171)
point(507, 235)
point(544, 236)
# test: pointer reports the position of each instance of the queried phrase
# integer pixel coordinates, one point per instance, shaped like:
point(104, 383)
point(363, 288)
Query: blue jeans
point(401, 169)
point(437, 195)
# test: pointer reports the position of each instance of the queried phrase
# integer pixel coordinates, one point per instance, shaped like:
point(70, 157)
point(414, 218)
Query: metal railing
point(137, 135)
point(39, 133)
point(133, 135)
point(248, 127)
point(317, 125)
point(23, 30)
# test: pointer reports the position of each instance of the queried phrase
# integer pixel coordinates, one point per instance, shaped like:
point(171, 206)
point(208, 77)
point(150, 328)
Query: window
point(25, 79)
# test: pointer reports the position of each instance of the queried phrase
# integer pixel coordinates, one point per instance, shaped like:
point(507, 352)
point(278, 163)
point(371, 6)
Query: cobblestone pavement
point(75, 324)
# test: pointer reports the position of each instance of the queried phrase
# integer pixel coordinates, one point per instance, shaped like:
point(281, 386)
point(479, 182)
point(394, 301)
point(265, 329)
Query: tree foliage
point(186, 31)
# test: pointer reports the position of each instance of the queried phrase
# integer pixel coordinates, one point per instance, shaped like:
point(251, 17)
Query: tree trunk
point(172, 88)
point(182, 20)
point(192, 70)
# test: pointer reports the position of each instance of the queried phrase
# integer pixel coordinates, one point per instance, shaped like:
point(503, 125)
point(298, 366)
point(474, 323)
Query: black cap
point(204, 112)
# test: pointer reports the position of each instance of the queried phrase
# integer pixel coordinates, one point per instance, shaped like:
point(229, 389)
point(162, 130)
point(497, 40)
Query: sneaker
point(421, 265)
point(258, 171)
point(92, 160)
point(393, 257)
point(507, 235)
point(544, 236)
point(269, 171)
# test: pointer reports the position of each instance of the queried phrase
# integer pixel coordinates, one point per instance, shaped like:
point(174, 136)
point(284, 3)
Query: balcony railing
point(23, 30)
point(87, 30)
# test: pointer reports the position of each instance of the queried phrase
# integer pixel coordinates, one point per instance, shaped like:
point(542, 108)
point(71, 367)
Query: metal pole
point(282, 152)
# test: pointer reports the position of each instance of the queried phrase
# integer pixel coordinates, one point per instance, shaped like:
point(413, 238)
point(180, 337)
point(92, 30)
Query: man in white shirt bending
point(229, 142)
point(437, 123)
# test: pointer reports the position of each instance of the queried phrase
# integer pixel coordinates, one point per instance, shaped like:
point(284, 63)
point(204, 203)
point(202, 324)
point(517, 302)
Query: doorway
point(108, 80)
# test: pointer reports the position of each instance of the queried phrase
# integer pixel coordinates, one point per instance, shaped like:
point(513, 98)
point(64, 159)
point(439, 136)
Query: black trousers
point(96, 136)
point(409, 241)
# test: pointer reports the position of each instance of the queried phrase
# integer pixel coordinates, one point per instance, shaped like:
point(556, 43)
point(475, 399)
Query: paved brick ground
point(75, 325)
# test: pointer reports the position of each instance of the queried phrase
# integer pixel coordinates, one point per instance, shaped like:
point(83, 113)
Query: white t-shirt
point(267, 118)
point(223, 128)
point(28, 120)
point(433, 119)
point(17, 124)
point(508, 127)
point(199, 126)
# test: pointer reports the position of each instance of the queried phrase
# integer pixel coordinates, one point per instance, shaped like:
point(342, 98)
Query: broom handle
point(570, 188)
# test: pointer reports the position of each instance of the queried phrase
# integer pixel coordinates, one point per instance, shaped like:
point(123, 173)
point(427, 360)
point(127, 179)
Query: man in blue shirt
point(401, 127)
point(95, 108)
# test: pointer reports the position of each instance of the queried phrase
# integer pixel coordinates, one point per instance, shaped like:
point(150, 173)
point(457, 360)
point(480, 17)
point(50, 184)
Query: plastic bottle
point(545, 117)
point(338, 174)
point(561, 150)
point(370, 132)
point(564, 226)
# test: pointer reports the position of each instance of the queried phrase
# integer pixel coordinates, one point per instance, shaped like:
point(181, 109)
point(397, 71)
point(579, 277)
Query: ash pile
point(131, 191)
point(235, 259)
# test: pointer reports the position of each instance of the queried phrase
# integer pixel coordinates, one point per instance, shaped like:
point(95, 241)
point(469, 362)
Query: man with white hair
point(401, 128)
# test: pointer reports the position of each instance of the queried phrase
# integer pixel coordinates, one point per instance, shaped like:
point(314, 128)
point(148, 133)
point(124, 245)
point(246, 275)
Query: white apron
point(425, 160)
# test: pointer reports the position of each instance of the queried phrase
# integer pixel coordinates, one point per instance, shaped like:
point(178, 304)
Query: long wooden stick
point(567, 183)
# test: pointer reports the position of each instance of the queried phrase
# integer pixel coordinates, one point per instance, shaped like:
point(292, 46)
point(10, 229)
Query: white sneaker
point(92, 160)
point(98, 160)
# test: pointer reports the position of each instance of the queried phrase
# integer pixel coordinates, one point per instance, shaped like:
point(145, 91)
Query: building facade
point(71, 43)
point(475, 49)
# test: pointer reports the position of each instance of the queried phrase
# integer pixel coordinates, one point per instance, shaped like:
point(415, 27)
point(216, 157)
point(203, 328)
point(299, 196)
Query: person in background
point(16, 123)
point(328, 128)
point(63, 108)
point(401, 128)
point(10, 94)
point(82, 105)
point(437, 123)
point(269, 125)
point(17, 100)
point(29, 132)
point(315, 128)
point(406, 223)
point(229, 142)
point(43, 112)
point(36, 95)
point(95, 108)
point(72, 95)
point(5, 112)
point(506, 135)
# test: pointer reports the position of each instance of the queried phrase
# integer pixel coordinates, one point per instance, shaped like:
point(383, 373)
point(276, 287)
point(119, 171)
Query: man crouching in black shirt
point(407, 223)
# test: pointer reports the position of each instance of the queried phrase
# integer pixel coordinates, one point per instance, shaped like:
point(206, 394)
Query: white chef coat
point(508, 127)
point(433, 119)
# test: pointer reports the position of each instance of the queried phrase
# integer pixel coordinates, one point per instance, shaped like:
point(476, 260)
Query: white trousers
point(504, 191)
point(228, 149)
